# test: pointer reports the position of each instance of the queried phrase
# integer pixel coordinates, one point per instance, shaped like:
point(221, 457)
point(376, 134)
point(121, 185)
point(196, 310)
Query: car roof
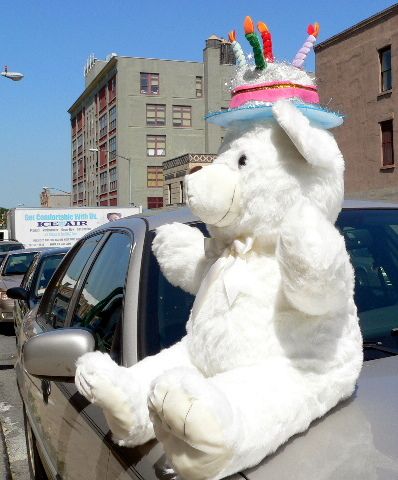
point(156, 218)
point(357, 439)
point(10, 240)
point(26, 250)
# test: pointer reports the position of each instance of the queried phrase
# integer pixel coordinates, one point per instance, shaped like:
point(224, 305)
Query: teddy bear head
point(258, 176)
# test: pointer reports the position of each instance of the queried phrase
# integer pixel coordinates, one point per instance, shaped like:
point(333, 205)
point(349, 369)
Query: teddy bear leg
point(192, 419)
point(212, 428)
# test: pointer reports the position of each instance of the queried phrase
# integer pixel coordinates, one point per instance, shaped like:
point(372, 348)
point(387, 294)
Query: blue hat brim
point(317, 115)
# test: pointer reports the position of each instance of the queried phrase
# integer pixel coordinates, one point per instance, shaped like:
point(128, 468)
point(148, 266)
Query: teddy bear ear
point(316, 145)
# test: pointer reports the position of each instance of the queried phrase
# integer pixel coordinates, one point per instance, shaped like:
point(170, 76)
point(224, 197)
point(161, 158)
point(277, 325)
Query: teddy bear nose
point(194, 169)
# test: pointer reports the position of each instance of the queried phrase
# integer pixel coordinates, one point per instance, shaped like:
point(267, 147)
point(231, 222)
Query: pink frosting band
point(272, 92)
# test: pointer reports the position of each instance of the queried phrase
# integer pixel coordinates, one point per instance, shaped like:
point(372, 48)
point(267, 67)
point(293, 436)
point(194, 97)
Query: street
point(13, 458)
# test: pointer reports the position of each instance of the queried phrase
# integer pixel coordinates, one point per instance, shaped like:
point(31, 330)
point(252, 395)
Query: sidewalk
point(13, 457)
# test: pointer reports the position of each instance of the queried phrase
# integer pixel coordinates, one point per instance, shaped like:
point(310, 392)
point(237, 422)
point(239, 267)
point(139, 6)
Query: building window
point(169, 194)
point(103, 125)
point(155, 202)
point(112, 179)
point(387, 143)
point(103, 182)
point(385, 69)
point(182, 199)
point(155, 115)
point(182, 116)
point(79, 144)
point(80, 190)
point(112, 88)
point(199, 86)
point(103, 154)
point(154, 177)
point(112, 118)
point(112, 148)
point(156, 145)
point(149, 83)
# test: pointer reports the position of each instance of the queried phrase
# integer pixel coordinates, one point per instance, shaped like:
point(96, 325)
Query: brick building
point(174, 171)
point(357, 72)
point(134, 114)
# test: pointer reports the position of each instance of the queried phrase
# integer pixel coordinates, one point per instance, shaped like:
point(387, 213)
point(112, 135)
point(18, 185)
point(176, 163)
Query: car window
point(27, 279)
point(165, 309)
point(100, 305)
point(18, 263)
point(57, 307)
point(9, 247)
point(371, 238)
point(46, 270)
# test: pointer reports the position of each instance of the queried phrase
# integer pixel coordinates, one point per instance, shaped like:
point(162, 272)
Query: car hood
point(10, 281)
point(357, 440)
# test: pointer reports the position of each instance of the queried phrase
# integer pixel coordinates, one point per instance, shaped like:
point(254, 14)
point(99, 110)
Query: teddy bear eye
point(242, 161)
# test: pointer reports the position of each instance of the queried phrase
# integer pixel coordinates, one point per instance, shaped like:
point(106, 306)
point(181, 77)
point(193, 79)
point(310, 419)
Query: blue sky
point(50, 40)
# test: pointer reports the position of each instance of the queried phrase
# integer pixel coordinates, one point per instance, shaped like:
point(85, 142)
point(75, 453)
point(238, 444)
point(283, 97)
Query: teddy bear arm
point(122, 392)
point(180, 252)
point(316, 273)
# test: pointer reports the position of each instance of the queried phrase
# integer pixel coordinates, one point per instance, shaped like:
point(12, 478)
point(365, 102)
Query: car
point(109, 294)
point(12, 269)
point(8, 246)
point(34, 282)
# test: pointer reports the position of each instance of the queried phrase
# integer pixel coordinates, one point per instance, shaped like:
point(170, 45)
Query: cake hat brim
point(316, 114)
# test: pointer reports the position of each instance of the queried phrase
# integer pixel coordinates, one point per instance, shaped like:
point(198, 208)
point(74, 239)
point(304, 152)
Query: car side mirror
point(53, 355)
point(18, 293)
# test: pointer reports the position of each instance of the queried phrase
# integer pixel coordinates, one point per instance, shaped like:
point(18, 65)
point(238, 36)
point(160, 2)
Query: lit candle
point(267, 41)
point(237, 49)
point(255, 43)
point(301, 55)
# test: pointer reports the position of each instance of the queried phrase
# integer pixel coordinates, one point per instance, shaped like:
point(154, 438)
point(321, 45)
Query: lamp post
point(15, 76)
point(120, 156)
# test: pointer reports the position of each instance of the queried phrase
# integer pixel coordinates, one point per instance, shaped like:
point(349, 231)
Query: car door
point(71, 447)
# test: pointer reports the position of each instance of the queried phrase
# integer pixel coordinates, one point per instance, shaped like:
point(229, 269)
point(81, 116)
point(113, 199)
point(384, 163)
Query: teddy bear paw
point(94, 379)
point(196, 438)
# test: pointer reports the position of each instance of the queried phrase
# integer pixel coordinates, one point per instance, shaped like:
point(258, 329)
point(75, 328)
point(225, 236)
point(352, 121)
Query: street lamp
point(120, 156)
point(15, 76)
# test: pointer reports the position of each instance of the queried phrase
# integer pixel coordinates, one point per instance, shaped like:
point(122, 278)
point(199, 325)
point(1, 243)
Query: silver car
point(109, 294)
point(12, 269)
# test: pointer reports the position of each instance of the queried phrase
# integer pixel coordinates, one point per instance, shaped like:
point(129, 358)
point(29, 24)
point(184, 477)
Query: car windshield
point(18, 263)
point(46, 270)
point(371, 238)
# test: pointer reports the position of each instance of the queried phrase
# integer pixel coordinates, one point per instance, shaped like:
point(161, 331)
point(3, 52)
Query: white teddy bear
point(273, 340)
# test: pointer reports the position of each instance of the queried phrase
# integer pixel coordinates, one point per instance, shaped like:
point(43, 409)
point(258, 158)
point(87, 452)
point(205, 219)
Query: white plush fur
point(273, 340)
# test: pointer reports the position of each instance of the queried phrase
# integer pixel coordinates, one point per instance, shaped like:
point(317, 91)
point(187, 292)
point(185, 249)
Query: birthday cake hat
point(255, 88)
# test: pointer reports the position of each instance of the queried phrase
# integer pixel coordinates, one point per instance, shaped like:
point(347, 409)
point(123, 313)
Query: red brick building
point(357, 72)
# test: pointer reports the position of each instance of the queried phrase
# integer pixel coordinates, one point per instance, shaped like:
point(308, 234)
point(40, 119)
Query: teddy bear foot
point(193, 434)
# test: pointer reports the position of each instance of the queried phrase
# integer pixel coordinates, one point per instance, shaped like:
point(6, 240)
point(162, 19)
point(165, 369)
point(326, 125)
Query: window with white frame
point(103, 182)
point(103, 125)
point(156, 145)
point(149, 83)
point(154, 176)
point(112, 179)
point(112, 148)
point(182, 116)
point(112, 118)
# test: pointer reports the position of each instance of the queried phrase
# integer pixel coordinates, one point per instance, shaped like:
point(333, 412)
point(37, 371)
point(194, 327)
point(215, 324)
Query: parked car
point(8, 246)
point(12, 269)
point(109, 294)
point(34, 282)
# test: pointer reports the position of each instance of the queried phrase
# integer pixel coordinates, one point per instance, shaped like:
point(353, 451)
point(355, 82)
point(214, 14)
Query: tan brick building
point(357, 72)
point(174, 171)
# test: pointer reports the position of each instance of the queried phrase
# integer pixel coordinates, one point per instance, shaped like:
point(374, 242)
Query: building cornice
point(358, 28)
point(93, 84)
point(189, 158)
